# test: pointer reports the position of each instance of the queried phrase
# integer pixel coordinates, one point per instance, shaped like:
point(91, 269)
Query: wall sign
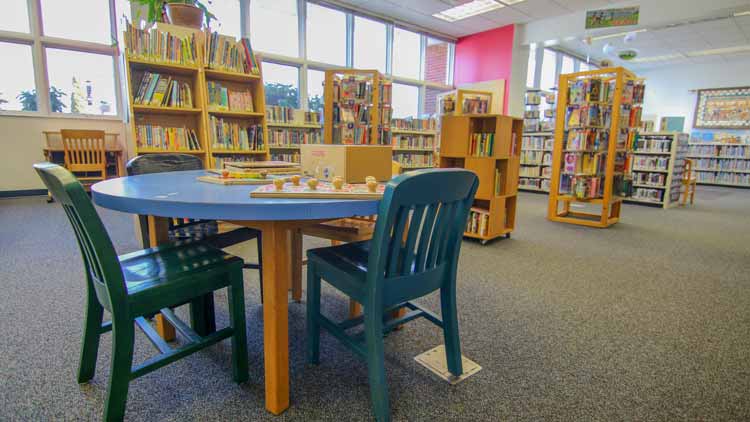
point(607, 18)
point(722, 108)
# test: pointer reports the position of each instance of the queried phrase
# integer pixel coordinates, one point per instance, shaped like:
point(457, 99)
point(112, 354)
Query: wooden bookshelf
point(376, 99)
point(497, 169)
point(536, 161)
point(288, 128)
point(721, 163)
point(663, 151)
point(413, 143)
point(573, 179)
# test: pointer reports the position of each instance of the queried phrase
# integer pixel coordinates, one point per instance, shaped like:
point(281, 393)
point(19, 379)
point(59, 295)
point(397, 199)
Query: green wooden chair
point(142, 283)
point(413, 252)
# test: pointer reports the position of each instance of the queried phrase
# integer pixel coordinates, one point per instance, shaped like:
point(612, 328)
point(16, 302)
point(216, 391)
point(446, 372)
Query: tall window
point(274, 27)
point(227, 14)
point(406, 53)
point(88, 20)
point(281, 84)
point(15, 16)
point(81, 82)
point(326, 35)
point(315, 80)
point(17, 90)
point(405, 100)
point(549, 67)
point(369, 44)
point(531, 72)
point(567, 65)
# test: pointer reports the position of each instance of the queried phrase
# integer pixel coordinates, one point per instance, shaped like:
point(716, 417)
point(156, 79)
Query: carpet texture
point(647, 320)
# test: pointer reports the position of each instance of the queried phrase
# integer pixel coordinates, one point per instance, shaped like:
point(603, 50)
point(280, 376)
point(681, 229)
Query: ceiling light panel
point(467, 10)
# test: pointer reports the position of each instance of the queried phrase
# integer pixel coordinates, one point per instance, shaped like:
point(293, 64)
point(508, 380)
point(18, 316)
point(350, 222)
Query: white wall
point(22, 140)
point(668, 89)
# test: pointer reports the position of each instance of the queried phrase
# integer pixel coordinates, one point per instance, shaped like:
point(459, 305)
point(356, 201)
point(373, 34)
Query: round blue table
point(179, 195)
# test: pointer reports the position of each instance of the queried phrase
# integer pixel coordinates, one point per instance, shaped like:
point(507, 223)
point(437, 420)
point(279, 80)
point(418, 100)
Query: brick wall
point(436, 70)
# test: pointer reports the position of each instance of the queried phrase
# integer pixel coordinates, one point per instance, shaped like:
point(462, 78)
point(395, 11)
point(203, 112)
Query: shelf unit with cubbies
point(657, 164)
point(598, 113)
point(413, 143)
point(488, 145)
point(288, 128)
point(357, 107)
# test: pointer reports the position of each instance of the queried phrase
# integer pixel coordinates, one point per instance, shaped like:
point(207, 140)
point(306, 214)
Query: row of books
point(478, 222)
point(531, 114)
point(292, 157)
point(482, 144)
point(633, 92)
point(413, 141)
point(353, 88)
point(293, 136)
point(586, 139)
point(351, 134)
point(224, 52)
point(536, 158)
point(281, 114)
point(221, 97)
point(591, 90)
point(588, 164)
point(410, 159)
point(533, 98)
point(653, 143)
point(476, 105)
point(235, 136)
point(538, 142)
point(719, 151)
point(160, 90)
point(582, 187)
point(647, 163)
point(498, 185)
point(535, 184)
point(723, 178)
point(590, 116)
point(414, 124)
point(648, 194)
point(535, 171)
point(654, 179)
point(148, 136)
point(161, 46)
point(713, 164)
point(630, 117)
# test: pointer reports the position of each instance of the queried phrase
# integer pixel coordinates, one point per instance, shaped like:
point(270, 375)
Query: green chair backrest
point(418, 232)
point(102, 267)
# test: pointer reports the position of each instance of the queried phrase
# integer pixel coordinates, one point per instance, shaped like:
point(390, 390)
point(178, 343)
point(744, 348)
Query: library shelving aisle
point(165, 92)
point(723, 164)
point(235, 101)
point(288, 128)
point(414, 143)
point(488, 145)
point(598, 114)
point(357, 109)
point(657, 164)
point(537, 144)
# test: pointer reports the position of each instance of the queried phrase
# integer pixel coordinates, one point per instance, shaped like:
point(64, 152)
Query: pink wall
point(485, 56)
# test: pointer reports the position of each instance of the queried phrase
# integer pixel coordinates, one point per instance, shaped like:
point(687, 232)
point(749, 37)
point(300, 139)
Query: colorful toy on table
point(313, 188)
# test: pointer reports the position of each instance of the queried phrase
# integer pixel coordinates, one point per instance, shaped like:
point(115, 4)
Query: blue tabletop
point(179, 194)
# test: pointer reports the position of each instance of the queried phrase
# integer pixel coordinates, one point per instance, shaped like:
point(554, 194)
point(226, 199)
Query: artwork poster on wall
point(723, 108)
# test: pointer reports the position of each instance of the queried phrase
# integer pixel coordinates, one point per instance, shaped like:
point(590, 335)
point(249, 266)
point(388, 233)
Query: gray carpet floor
point(647, 320)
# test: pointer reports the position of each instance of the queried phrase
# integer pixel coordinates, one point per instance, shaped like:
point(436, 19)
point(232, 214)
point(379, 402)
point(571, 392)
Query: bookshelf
point(488, 145)
point(658, 151)
point(538, 141)
point(414, 143)
point(357, 107)
point(599, 113)
point(464, 101)
point(288, 128)
point(719, 163)
point(195, 92)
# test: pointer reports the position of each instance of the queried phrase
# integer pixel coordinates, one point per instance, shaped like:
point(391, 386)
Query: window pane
point(437, 57)
point(548, 70)
point(584, 67)
point(87, 20)
point(17, 91)
point(430, 99)
point(567, 65)
point(315, 80)
point(281, 84)
point(227, 14)
point(369, 44)
point(81, 82)
point(274, 26)
point(406, 53)
point(532, 67)
point(326, 35)
point(15, 16)
point(405, 101)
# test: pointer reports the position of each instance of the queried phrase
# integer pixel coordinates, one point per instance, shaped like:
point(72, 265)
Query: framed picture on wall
point(722, 108)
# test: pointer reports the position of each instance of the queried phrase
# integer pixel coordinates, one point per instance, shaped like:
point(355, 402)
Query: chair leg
point(92, 329)
point(236, 299)
point(202, 315)
point(375, 363)
point(450, 330)
point(313, 311)
point(122, 361)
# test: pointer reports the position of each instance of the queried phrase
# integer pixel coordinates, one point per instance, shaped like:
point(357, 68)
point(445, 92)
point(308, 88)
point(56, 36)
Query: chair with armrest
point(413, 252)
point(85, 155)
point(142, 283)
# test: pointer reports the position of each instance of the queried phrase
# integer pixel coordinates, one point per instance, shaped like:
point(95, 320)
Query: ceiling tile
point(540, 9)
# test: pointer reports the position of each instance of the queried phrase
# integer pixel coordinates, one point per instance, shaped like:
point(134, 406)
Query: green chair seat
point(346, 263)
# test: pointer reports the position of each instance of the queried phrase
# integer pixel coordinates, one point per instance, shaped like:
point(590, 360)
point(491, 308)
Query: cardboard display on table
point(351, 162)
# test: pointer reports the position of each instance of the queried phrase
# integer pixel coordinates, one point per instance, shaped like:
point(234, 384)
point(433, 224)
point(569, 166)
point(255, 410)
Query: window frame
point(40, 42)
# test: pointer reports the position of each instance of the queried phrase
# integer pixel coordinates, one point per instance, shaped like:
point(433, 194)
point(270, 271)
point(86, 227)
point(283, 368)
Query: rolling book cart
point(488, 145)
point(657, 164)
point(598, 114)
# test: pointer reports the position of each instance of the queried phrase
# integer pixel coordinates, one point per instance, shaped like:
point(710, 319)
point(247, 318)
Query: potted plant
point(189, 13)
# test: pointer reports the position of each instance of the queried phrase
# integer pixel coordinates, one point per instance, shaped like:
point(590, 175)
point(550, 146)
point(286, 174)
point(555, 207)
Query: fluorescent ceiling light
point(466, 10)
point(510, 2)
point(619, 34)
point(657, 58)
point(745, 13)
point(725, 50)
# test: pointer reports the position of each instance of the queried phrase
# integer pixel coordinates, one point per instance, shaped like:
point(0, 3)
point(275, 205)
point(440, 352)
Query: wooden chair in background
point(689, 182)
point(85, 155)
